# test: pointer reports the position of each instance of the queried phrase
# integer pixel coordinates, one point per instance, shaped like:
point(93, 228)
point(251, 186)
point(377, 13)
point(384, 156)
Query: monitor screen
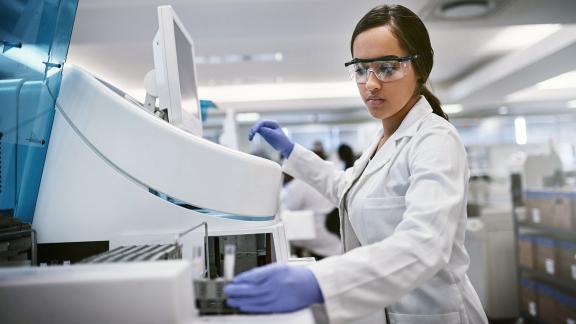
point(175, 72)
point(189, 98)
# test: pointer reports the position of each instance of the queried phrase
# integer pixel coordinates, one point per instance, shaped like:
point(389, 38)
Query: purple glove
point(275, 288)
point(274, 135)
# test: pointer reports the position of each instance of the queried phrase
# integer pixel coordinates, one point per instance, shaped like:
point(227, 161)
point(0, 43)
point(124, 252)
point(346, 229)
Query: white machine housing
point(127, 293)
point(108, 155)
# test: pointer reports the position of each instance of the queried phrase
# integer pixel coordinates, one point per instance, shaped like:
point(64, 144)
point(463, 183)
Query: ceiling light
point(247, 117)
point(562, 81)
point(278, 57)
point(517, 37)
point(465, 8)
point(520, 130)
point(239, 58)
point(503, 110)
point(571, 104)
point(283, 91)
point(452, 109)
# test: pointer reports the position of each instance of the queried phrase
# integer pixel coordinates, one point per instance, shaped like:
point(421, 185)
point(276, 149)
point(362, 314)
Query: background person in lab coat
point(402, 204)
point(298, 195)
point(346, 155)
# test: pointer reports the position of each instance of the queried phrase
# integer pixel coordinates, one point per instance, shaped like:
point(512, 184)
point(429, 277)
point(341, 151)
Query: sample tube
point(229, 261)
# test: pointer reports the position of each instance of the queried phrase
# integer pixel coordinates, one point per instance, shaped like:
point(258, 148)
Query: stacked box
point(526, 251)
point(540, 207)
point(545, 255)
point(528, 298)
point(567, 260)
point(566, 309)
point(547, 297)
point(565, 210)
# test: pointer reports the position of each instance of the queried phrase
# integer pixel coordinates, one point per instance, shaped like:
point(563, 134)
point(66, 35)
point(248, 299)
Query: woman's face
point(384, 100)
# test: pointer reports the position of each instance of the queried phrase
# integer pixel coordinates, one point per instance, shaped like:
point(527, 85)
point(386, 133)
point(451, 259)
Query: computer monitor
point(175, 72)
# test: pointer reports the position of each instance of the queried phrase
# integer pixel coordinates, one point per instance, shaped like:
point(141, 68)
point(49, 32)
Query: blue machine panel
point(34, 35)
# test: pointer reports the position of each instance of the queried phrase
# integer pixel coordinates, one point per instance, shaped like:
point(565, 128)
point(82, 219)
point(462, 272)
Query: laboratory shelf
point(528, 319)
point(568, 234)
point(544, 277)
point(523, 226)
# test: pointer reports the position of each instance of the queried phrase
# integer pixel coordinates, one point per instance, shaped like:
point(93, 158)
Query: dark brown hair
point(413, 37)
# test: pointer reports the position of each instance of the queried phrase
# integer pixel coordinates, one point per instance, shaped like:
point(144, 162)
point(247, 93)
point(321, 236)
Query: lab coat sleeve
point(321, 175)
point(371, 277)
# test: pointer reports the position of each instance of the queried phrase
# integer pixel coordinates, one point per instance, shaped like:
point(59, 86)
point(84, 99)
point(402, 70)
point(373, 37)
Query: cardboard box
point(565, 210)
point(540, 207)
point(526, 251)
point(528, 297)
point(566, 260)
point(547, 297)
point(566, 309)
point(545, 255)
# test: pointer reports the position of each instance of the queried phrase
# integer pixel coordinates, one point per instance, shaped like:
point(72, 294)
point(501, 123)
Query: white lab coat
point(403, 217)
point(298, 195)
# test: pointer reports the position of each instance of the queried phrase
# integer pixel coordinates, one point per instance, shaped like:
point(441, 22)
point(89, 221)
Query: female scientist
point(402, 204)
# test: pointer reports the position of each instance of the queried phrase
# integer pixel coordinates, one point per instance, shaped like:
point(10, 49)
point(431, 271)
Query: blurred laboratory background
point(504, 70)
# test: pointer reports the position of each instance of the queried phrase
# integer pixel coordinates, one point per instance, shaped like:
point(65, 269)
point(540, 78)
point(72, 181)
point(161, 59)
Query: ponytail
point(433, 101)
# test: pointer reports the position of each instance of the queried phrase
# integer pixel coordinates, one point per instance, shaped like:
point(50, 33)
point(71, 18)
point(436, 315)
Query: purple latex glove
point(275, 288)
point(273, 134)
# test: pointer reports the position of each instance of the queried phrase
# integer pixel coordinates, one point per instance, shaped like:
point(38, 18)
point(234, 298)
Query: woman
point(402, 204)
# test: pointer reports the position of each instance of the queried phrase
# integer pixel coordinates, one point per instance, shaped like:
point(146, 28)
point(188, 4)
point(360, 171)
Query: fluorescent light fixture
point(571, 104)
point(557, 88)
point(520, 130)
point(452, 109)
point(240, 58)
point(247, 117)
point(562, 81)
point(503, 110)
point(277, 92)
point(270, 92)
point(517, 37)
point(278, 57)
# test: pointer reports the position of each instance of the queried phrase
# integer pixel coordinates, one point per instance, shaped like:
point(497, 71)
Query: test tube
point(229, 261)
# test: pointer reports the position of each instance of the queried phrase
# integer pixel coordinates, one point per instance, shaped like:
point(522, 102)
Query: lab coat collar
point(407, 129)
point(410, 124)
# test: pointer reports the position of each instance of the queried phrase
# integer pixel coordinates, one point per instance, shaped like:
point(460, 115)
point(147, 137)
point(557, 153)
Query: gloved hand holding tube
point(275, 288)
point(273, 134)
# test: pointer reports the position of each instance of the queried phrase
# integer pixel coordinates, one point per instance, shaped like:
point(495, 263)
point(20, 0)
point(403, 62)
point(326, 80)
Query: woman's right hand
point(273, 134)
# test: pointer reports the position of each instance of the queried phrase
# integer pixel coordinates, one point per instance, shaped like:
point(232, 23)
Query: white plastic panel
point(165, 158)
point(150, 292)
point(83, 198)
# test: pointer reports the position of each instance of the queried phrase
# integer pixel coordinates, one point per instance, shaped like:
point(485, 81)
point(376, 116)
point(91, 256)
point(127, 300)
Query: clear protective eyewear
point(386, 69)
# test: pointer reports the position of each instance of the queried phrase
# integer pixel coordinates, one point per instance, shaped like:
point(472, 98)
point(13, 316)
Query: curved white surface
point(163, 157)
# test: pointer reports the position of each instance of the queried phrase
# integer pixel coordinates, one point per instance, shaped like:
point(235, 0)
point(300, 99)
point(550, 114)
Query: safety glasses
point(386, 69)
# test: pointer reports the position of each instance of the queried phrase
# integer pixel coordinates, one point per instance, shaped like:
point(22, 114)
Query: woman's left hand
point(275, 288)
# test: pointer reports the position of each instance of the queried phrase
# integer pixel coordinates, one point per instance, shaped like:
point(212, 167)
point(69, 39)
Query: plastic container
point(566, 309)
point(547, 297)
point(529, 299)
point(545, 255)
point(567, 260)
point(526, 251)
